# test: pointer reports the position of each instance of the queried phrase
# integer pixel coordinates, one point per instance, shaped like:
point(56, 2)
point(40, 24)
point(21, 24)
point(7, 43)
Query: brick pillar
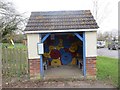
point(34, 68)
point(91, 67)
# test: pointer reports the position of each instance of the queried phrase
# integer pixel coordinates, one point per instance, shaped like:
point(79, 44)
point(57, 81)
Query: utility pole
point(95, 8)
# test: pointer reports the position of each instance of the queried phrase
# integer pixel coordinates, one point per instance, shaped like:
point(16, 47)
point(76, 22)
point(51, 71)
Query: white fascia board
point(91, 55)
point(54, 31)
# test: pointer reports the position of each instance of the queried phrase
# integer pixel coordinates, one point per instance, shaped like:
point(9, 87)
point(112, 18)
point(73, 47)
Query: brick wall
point(34, 68)
point(91, 66)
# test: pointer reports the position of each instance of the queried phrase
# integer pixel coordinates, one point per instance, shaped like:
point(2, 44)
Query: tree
point(102, 9)
point(106, 36)
point(10, 21)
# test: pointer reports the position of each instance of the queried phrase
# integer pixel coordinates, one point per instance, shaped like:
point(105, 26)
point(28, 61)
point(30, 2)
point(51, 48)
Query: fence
point(14, 63)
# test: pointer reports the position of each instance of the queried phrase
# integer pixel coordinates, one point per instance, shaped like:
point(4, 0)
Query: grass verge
point(107, 69)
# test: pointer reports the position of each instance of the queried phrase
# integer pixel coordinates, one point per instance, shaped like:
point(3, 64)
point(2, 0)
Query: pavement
point(70, 72)
point(59, 84)
point(108, 53)
point(63, 72)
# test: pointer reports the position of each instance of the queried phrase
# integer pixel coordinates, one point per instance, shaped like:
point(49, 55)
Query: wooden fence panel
point(14, 63)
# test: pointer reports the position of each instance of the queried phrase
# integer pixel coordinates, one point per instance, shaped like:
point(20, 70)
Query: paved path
point(72, 79)
point(64, 71)
point(59, 84)
point(109, 53)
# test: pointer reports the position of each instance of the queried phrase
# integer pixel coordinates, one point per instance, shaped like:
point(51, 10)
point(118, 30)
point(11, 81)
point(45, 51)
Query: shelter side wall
point(32, 40)
point(91, 42)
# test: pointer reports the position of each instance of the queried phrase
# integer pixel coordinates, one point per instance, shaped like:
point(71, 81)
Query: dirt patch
point(58, 84)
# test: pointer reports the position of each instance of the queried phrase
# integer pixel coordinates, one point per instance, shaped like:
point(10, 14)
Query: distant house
point(68, 38)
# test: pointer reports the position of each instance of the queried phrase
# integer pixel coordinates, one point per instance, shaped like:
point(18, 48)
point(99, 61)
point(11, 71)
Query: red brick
point(34, 67)
point(91, 66)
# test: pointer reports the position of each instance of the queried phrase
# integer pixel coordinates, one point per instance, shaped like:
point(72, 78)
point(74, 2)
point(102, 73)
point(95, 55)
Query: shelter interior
point(63, 52)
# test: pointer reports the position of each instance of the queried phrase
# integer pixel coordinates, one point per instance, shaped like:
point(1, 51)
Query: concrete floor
point(63, 72)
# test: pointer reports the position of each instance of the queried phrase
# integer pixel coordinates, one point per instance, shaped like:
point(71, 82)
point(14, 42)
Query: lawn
point(107, 69)
point(17, 45)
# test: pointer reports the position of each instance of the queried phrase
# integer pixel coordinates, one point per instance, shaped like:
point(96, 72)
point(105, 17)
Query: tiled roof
point(61, 20)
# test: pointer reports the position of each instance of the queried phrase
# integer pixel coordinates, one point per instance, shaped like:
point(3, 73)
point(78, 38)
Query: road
point(109, 53)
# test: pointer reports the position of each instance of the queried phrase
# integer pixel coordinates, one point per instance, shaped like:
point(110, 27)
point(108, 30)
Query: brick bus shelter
point(60, 39)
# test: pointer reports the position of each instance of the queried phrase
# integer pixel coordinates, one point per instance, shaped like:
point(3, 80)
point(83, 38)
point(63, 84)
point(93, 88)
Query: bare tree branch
point(10, 20)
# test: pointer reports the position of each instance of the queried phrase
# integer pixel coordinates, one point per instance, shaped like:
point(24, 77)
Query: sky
point(107, 10)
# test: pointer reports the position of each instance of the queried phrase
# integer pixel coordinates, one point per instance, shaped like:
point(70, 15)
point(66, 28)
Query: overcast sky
point(107, 9)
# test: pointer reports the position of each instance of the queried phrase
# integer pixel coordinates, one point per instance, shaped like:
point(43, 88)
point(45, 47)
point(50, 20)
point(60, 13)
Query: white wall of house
point(32, 40)
point(91, 42)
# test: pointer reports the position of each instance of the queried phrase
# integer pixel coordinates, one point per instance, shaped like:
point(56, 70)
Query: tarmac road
point(108, 53)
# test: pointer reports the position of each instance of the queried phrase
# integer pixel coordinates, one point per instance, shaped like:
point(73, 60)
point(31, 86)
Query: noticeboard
point(40, 48)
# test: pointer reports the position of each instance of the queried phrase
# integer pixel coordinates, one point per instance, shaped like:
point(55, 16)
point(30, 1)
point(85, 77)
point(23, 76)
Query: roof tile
point(60, 20)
